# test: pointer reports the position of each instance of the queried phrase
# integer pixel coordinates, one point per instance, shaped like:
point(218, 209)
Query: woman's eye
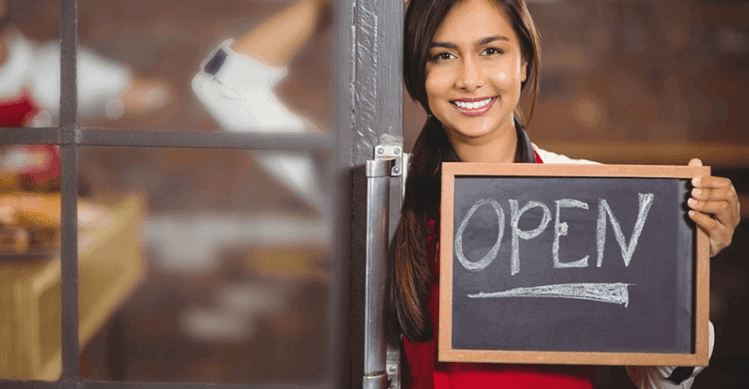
point(442, 57)
point(492, 51)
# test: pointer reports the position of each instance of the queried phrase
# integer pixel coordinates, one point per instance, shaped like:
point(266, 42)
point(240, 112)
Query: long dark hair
point(410, 270)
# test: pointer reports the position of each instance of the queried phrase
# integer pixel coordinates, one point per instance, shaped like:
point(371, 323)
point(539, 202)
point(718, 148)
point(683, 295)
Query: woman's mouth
point(473, 107)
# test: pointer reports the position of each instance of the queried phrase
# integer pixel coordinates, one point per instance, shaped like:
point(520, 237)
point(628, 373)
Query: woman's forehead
point(473, 20)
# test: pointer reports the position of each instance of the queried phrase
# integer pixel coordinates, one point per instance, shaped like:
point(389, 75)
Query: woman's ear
point(524, 71)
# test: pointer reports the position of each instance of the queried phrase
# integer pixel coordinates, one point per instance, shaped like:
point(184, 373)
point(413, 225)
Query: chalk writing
point(613, 293)
point(517, 233)
point(489, 257)
point(646, 201)
point(560, 229)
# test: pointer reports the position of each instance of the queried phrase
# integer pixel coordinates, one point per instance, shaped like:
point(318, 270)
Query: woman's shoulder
point(550, 157)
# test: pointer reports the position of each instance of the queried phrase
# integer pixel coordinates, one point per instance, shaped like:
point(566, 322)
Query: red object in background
point(44, 160)
point(46, 169)
point(17, 111)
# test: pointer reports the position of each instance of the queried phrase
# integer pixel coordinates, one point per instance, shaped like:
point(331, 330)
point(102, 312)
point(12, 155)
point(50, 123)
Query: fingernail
point(697, 192)
point(691, 213)
point(692, 202)
point(696, 181)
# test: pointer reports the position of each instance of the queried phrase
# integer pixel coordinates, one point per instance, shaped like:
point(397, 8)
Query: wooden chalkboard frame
point(700, 334)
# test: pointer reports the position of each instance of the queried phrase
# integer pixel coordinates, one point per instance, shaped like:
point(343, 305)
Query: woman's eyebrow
point(445, 45)
point(492, 38)
point(482, 41)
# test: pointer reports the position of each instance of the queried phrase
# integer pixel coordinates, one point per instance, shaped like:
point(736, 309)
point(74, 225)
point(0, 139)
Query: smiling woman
point(469, 64)
point(473, 81)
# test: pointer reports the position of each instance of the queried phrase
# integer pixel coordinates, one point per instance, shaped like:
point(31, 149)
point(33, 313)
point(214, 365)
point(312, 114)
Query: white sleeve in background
point(19, 56)
point(549, 157)
point(656, 377)
point(645, 377)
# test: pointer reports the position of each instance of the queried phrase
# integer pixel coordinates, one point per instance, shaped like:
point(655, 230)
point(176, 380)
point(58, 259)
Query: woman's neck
point(499, 147)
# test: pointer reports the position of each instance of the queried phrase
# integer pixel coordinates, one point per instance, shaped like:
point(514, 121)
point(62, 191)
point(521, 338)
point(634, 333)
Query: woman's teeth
point(474, 105)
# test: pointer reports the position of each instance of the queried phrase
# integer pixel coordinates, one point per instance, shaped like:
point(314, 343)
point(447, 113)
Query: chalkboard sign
point(572, 264)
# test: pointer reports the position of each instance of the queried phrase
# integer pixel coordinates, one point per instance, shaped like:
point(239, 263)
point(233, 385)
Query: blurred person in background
point(30, 81)
point(236, 84)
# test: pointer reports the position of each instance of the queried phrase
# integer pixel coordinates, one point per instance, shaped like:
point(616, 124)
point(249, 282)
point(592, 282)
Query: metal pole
point(378, 207)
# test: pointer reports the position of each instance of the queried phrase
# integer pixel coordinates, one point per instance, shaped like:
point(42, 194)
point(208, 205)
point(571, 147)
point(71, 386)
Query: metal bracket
point(393, 374)
point(391, 151)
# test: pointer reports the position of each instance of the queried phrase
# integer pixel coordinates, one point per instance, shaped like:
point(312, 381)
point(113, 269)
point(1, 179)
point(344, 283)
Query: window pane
point(30, 262)
point(165, 71)
point(220, 270)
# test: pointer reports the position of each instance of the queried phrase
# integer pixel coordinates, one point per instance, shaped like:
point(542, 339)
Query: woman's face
point(474, 72)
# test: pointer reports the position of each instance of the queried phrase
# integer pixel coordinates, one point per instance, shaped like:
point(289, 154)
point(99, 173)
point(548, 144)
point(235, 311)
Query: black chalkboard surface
point(579, 264)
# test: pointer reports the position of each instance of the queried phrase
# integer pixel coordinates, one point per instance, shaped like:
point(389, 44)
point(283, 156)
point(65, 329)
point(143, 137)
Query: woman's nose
point(471, 75)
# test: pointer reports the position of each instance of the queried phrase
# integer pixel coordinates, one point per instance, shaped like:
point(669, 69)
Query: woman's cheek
point(506, 73)
point(436, 82)
point(436, 88)
point(501, 74)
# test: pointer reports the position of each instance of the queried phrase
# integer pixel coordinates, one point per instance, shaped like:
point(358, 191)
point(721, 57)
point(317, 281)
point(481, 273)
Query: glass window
point(208, 267)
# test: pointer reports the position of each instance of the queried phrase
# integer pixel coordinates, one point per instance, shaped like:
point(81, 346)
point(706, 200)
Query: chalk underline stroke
point(613, 293)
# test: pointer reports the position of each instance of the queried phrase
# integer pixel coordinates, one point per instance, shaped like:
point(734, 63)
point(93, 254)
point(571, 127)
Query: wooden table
point(111, 267)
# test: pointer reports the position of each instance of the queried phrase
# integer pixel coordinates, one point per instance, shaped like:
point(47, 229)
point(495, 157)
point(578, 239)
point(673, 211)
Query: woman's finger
point(720, 237)
point(709, 224)
point(709, 207)
point(712, 194)
point(711, 182)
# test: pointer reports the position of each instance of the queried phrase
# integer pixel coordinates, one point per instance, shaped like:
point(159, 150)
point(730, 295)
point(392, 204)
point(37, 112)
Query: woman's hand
point(714, 207)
